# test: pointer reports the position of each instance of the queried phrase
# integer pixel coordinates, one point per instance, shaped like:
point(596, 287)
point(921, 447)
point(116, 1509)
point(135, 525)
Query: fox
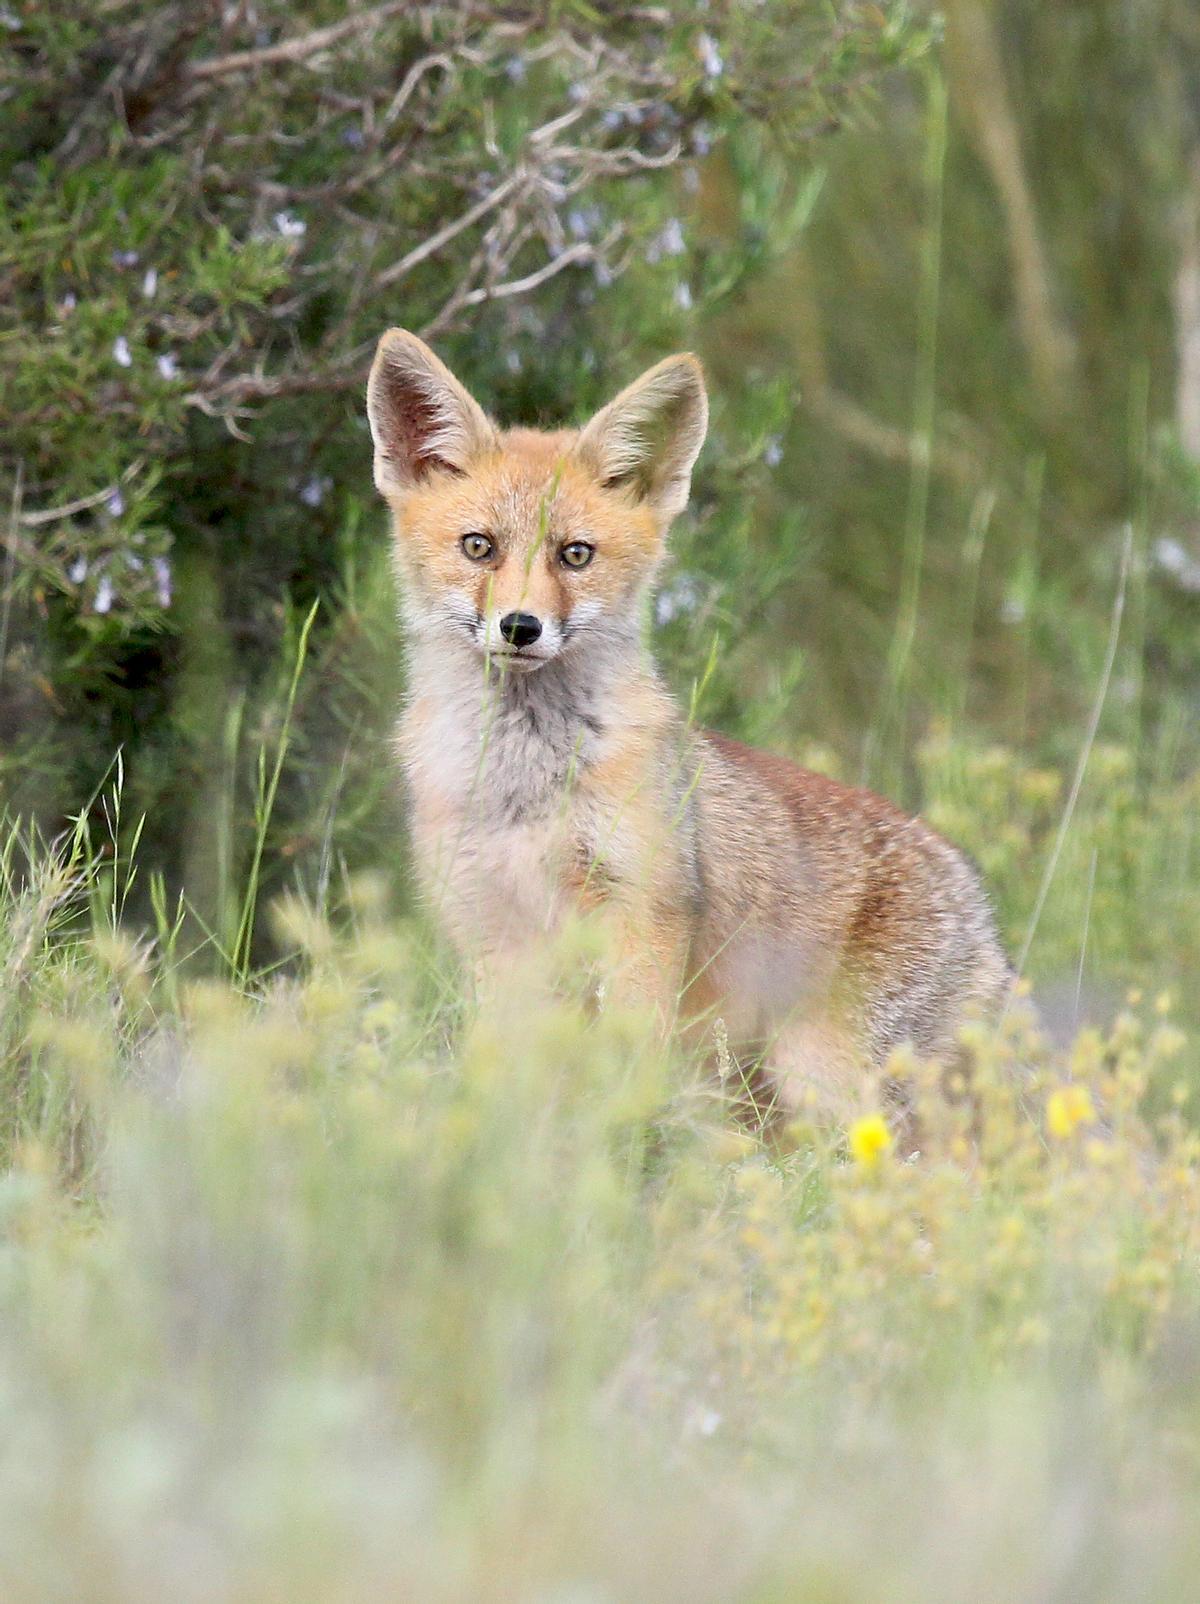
point(814, 925)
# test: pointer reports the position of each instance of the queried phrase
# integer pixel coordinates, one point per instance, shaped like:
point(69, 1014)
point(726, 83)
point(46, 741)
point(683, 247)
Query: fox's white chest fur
point(498, 770)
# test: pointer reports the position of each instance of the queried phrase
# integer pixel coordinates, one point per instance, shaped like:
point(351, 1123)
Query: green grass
point(323, 1285)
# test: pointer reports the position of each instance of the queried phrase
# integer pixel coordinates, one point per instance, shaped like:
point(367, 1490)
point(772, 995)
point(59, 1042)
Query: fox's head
point(525, 542)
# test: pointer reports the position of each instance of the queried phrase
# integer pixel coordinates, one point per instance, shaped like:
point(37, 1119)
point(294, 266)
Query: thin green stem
point(886, 742)
point(265, 806)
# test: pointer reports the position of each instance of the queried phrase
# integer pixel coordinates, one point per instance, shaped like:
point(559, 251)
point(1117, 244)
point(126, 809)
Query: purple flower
point(683, 595)
point(314, 488)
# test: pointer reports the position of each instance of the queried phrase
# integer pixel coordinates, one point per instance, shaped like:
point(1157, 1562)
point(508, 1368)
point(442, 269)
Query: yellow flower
point(1067, 1108)
point(869, 1139)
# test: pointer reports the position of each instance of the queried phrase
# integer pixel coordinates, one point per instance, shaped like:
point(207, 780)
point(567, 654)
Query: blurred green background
point(943, 268)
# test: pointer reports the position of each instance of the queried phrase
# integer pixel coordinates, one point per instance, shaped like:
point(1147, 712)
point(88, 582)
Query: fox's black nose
point(520, 629)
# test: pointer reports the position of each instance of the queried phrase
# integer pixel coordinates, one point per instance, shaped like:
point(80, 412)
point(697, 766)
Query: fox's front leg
point(646, 954)
point(651, 966)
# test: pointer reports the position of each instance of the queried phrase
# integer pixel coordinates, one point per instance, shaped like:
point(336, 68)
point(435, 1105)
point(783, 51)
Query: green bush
point(209, 219)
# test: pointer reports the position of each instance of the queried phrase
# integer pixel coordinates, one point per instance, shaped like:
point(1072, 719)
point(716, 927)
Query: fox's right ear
point(422, 419)
point(646, 441)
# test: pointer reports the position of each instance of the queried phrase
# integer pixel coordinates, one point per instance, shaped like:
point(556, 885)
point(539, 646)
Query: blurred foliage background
point(944, 270)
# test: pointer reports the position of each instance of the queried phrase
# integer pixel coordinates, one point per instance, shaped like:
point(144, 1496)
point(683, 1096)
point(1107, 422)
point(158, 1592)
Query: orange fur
point(821, 925)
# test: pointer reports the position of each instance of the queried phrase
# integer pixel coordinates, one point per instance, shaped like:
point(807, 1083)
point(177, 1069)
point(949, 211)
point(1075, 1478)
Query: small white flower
point(671, 239)
point(122, 355)
point(77, 572)
point(512, 361)
point(115, 504)
point(162, 580)
point(683, 295)
point(104, 595)
point(681, 596)
point(710, 56)
point(167, 366)
point(514, 70)
point(10, 21)
point(150, 283)
point(68, 302)
point(773, 451)
point(290, 226)
point(1012, 610)
point(701, 1420)
point(1174, 559)
point(125, 258)
point(583, 221)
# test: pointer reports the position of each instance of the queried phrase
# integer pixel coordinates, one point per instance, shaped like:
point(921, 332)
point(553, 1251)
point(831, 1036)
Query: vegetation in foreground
point(321, 1284)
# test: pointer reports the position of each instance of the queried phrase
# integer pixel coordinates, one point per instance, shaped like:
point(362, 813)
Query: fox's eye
point(578, 554)
point(478, 547)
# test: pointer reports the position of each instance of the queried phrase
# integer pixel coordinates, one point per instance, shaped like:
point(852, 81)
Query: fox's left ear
point(422, 419)
point(647, 440)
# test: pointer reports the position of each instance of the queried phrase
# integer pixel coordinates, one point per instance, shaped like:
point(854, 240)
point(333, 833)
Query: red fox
point(549, 768)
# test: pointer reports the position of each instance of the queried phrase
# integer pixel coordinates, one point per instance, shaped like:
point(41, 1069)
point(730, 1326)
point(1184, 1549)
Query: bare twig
point(68, 509)
point(428, 247)
point(883, 440)
point(973, 47)
point(573, 255)
point(411, 79)
point(222, 400)
point(298, 49)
